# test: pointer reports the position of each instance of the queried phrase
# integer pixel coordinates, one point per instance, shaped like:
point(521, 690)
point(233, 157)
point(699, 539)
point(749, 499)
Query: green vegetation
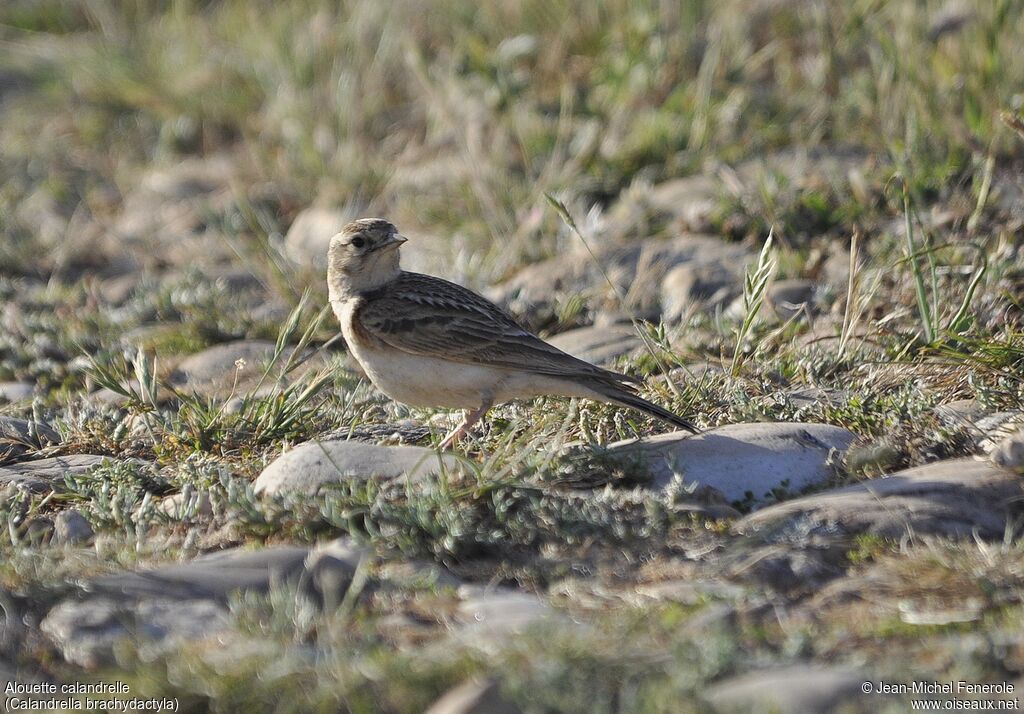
point(857, 145)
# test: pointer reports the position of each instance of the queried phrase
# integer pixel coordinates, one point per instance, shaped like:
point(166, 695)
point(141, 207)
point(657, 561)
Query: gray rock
point(117, 289)
point(965, 413)
point(955, 498)
point(330, 569)
point(742, 460)
point(1009, 453)
point(236, 404)
point(992, 429)
point(38, 529)
point(165, 219)
point(209, 577)
point(689, 201)
point(834, 270)
point(950, 19)
point(18, 436)
point(187, 505)
point(635, 269)
point(40, 213)
point(309, 467)
point(215, 370)
point(599, 345)
point(791, 297)
point(272, 310)
point(48, 474)
point(238, 281)
point(686, 203)
point(491, 615)
point(71, 528)
point(104, 396)
point(473, 697)
point(311, 232)
point(809, 396)
point(158, 608)
point(805, 688)
point(191, 178)
point(1007, 194)
point(15, 391)
point(88, 632)
point(699, 287)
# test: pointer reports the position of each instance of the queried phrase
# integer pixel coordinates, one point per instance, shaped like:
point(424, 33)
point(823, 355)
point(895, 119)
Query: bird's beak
point(393, 242)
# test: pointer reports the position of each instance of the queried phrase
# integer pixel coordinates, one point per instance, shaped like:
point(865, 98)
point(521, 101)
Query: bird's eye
point(358, 242)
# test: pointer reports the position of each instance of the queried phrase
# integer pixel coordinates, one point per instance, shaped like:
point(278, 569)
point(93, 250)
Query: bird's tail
point(624, 395)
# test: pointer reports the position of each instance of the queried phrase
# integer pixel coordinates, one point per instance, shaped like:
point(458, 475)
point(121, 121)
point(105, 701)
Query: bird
point(427, 342)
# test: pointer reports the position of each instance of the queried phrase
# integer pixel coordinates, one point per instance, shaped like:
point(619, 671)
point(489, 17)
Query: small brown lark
point(426, 342)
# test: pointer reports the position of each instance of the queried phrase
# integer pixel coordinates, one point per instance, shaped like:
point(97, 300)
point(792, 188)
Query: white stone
point(953, 498)
point(743, 459)
point(310, 466)
point(599, 345)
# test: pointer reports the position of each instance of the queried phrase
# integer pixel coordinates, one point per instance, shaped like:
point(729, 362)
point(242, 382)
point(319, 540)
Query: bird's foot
point(471, 418)
point(453, 437)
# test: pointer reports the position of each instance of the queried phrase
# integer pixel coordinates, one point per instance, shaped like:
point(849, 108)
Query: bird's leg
point(471, 417)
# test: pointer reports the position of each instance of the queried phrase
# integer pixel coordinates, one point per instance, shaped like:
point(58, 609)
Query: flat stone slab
point(71, 528)
point(804, 688)
point(599, 345)
point(87, 632)
point(311, 466)
point(310, 234)
point(212, 576)
point(487, 616)
point(957, 498)
point(215, 370)
point(700, 286)
point(1009, 452)
point(744, 462)
point(15, 391)
point(48, 474)
point(158, 608)
point(964, 413)
point(791, 297)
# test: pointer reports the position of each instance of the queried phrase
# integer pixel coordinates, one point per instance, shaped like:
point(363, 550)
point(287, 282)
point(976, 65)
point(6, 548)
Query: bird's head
point(363, 256)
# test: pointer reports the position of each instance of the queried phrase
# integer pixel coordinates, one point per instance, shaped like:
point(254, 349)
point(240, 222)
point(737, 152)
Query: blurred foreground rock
point(959, 498)
point(46, 475)
point(311, 466)
point(808, 689)
point(163, 607)
point(744, 462)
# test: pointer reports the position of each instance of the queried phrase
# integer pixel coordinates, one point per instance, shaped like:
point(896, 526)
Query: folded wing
point(424, 315)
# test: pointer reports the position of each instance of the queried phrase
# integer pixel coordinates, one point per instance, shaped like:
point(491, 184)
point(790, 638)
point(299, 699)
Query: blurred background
point(453, 118)
point(171, 173)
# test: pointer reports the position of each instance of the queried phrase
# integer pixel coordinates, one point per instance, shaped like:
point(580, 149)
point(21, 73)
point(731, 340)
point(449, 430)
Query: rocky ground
point(205, 500)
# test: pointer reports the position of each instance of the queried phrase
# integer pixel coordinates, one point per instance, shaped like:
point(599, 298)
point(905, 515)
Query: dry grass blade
point(652, 349)
point(755, 284)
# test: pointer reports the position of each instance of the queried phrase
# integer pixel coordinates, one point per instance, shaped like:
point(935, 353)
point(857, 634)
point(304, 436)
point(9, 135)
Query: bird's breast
point(417, 380)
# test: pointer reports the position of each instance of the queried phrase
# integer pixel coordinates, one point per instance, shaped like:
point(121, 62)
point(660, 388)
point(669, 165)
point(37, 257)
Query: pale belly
point(428, 382)
point(423, 381)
